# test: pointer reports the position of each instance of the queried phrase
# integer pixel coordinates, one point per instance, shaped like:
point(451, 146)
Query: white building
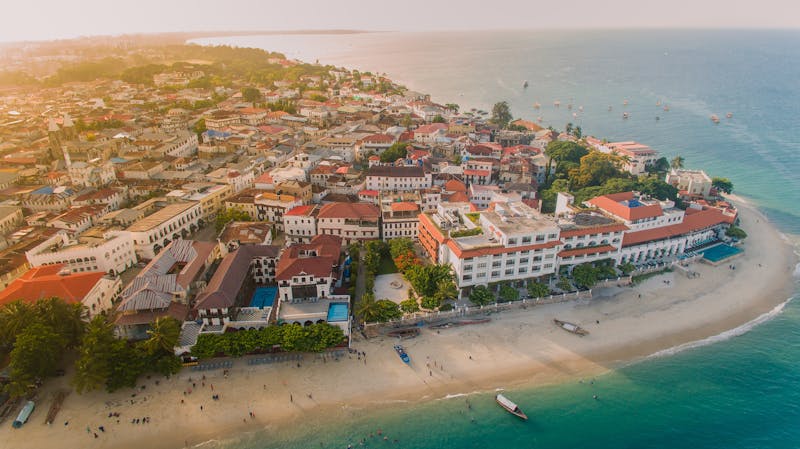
point(300, 224)
point(399, 219)
point(693, 183)
point(397, 178)
point(113, 254)
point(352, 222)
point(157, 230)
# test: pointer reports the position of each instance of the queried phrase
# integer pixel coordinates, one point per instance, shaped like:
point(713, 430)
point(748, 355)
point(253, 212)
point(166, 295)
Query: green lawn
point(387, 266)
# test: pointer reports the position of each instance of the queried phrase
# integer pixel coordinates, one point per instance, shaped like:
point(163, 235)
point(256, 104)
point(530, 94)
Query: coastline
point(518, 348)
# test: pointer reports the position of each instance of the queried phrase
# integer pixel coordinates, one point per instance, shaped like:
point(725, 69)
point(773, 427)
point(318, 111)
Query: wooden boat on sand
point(570, 327)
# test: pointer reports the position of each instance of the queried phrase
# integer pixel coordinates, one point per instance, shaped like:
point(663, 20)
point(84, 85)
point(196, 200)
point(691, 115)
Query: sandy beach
point(516, 348)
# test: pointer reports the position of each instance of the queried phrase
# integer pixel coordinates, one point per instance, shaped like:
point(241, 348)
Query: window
point(467, 277)
point(526, 239)
point(482, 274)
point(495, 274)
point(522, 270)
point(512, 241)
point(510, 271)
point(548, 265)
point(496, 264)
point(510, 262)
point(552, 236)
point(524, 260)
point(467, 267)
point(540, 238)
point(482, 265)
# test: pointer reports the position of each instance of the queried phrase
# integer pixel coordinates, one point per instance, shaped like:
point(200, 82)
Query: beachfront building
point(171, 221)
point(384, 177)
point(309, 271)
point(657, 230)
point(587, 236)
point(95, 290)
point(353, 222)
point(113, 252)
point(300, 223)
point(307, 275)
point(690, 183)
point(228, 300)
point(510, 242)
point(165, 286)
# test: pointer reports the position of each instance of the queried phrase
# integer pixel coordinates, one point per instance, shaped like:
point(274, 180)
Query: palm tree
point(677, 162)
point(367, 308)
point(445, 289)
point(164, 334)
point(14, 318)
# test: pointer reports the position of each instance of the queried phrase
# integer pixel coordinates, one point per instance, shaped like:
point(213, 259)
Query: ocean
point(737, 390)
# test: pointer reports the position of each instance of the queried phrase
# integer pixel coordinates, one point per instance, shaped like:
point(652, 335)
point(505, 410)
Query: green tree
point(163, 336)
point(438, 119)
point(595, 169)
point(430, 302)
point(661, 165)
point(564, 152)
point(577, 132)
point(93, 367)
point(36, 354)
point(14, 318)
point(453, 107)
point(677, 162)
point(508, 293)
point(387, 310)
point(401, 245)
point(366, 308)
point(538, 290)
point(251, 94)
point(656, 187)
point(228, 215)
point(722, 184)
point(736, 232)
point(568, 128)
point(585, 275)
point(199, 128)
point(445, 290)
point(406, 122)
point(398, 150)
point(501, 114)
point(626, 268)
point(481, 296)
point(564, 284)
point(64, 318)
point(409, 306)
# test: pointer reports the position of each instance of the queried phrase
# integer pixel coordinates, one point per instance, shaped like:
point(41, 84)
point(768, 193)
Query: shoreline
point(516, 349)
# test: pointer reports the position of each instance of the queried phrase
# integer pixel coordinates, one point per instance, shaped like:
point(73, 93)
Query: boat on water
point(625, 115)
point(510, 406)
point(666, 108)
point(625, 102)
point(537, 105)
point(402, 353)
point(557, 103)
point(714, 118)
point(729, 115)
point(571, 327)
point(24, 414)
point(525, 84)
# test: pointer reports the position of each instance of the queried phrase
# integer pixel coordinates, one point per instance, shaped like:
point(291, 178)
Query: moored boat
point(510, 406)
point(714, 118)
point(571, 327)
point(402, 353)
point(625, 115)
point(525, 84)
point(24, 414)
point(729, 115)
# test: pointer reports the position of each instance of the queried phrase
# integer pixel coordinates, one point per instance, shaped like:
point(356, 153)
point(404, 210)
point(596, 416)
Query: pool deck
point(716, 263)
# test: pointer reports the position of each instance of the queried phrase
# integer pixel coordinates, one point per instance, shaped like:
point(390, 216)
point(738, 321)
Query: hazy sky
point(49, 19)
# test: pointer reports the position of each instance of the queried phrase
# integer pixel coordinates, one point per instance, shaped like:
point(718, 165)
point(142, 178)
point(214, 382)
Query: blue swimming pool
point(720, 252)
point(337, 311)
point(263, 297)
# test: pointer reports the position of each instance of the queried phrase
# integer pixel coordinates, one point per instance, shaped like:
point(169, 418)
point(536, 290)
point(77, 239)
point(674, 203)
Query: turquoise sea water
point(740, 392)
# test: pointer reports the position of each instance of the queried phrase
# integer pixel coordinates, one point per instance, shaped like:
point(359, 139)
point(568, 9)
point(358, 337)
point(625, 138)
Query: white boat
point(556, 103)
point(729, 115)
point(537, 105)
point(624, 115)
point(510, 406)
point(23, 416)
point(570, 327)
point(714, 118)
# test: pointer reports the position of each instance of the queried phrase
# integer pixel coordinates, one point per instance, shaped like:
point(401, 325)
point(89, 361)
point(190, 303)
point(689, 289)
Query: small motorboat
point(402, 353)
point(525, 84)
point(625, 102)
point(729, 115)
point(537, 105)
point(23, 416)
point(666, 108)
point(510, 406)
point(714, 118)
point(557, 103)
point(625, 115)
point(570, 327)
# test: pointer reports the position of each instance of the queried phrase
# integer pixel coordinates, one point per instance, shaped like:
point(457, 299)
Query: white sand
point(517, 347)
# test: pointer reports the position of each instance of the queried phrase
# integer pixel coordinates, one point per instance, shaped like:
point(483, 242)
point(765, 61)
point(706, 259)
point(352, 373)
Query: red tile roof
point(45, 282)
point(299, 210)
point(404, 206)
point(616, 227)
point(349, 210)
point(489, 250)
point(613, 204)
point(293, 262)
point(477, 172)
point(454, 185)
point(692, 221)
point(368, 193)
point(590, 250)
point(427, 129)
point(378, 138)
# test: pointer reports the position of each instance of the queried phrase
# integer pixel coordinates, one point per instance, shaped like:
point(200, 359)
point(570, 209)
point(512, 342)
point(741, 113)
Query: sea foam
point(728, 334)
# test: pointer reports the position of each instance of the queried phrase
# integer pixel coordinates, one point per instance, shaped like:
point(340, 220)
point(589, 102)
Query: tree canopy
point(398, 150)
point(722, 184)
point(501, 114)
point(231, 214)
point(481, 296)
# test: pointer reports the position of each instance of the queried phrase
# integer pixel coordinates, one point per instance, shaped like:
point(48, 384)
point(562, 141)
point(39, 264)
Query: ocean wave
point(727, 335)
point(458, 395)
